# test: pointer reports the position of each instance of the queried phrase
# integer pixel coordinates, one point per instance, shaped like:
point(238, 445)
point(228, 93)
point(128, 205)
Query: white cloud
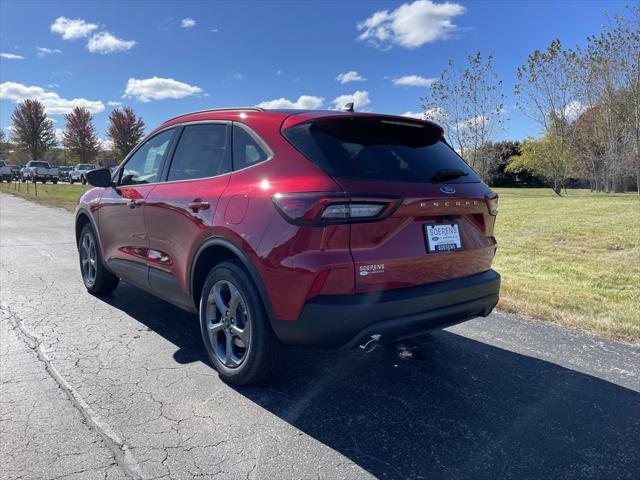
point(304, 102)
point(474, 122)
point(105, 144)
point(156, 88)
point(411, 24)
point(43, 51)
point(187, 22)
point(413, 81)
point(350, 76)
point(72, 29)
point(53, 103)
point(111, 103)
point(418, 115)
point(574, 109)
point(435, 114)
point(236, 75)
point(359, 98)
point(11, 56)
point(105, 42)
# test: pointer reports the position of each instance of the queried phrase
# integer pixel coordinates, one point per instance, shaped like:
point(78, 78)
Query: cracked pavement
point(119, 387)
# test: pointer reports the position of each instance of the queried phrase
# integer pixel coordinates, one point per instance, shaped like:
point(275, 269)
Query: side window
point(247, 150)
point(201, 152)
point(143, 166)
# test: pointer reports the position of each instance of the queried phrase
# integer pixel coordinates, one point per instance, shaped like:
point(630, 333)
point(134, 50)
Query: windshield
point(85, 166)
point(39, 164)
point(378, 148)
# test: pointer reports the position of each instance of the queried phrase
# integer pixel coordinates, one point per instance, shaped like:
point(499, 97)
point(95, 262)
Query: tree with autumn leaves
point(125, 130)
point(79, 136)
point(33, 131)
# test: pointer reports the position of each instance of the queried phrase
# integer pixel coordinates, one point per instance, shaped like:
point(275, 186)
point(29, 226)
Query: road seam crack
point(120, 450)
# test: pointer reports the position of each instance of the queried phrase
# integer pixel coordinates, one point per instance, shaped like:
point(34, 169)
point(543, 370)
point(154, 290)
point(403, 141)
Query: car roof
point(287, 117)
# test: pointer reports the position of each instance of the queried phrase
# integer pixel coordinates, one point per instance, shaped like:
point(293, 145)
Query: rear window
point(379, 149)
point(40, 164)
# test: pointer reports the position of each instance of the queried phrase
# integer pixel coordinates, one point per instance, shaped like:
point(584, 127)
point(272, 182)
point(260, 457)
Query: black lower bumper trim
point(347, 320)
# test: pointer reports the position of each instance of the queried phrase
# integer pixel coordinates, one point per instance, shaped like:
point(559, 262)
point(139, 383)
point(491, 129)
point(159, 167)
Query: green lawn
point(574, 260)
point(61, 195)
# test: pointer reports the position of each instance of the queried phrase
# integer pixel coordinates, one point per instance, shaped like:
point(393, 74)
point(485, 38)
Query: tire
point(84, 180)
point(261, 355)
point(54, 181)
point(44, 180)
point(102, 280)
point(71, 181)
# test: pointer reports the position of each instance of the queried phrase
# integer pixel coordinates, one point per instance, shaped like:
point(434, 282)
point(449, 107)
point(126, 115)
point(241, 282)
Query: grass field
point(573, 260)
point(61, 195)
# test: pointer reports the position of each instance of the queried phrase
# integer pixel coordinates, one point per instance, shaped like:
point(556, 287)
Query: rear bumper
point(346, 320)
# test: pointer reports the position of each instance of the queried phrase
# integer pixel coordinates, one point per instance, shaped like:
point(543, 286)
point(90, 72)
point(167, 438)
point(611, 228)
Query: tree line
point(33, 134)
point(585, 100)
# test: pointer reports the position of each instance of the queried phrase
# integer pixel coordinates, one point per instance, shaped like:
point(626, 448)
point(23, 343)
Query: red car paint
point(162, 226)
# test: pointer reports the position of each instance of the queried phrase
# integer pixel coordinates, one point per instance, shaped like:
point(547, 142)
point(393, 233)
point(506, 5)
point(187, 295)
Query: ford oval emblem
point(447, 189)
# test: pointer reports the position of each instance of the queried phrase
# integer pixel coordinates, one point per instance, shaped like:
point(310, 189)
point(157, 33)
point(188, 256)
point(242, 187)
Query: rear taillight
point(325, 208)
point(492, 202)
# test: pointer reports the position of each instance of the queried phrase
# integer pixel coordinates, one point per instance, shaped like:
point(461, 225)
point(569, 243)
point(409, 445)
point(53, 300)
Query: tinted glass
point(85, 166)
point(39, 164)
point(201, 152)
point(143, 166)
point(247, 150)
point(378, 149)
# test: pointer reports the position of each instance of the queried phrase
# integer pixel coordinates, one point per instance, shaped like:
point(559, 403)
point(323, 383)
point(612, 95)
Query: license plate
point(442, 237)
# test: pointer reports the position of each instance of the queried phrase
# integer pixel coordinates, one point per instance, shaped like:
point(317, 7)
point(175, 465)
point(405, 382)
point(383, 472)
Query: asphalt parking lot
point(119, 387)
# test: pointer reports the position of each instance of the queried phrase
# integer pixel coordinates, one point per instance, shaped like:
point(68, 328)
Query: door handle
point(134, 203)
point(198, 205)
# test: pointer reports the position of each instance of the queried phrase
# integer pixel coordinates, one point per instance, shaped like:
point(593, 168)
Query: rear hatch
point(439, 225)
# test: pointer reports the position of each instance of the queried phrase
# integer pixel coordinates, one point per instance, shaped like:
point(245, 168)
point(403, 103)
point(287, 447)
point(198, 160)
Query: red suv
point(313, 228)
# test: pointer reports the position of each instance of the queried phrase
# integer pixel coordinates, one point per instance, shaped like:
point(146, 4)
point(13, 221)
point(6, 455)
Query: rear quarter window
point(379, 149)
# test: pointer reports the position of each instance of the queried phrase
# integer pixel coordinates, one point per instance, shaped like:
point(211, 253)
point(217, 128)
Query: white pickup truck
point(36, 170)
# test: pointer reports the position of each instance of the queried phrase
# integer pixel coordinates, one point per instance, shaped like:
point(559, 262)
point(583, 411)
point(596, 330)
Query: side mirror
point(100, 177)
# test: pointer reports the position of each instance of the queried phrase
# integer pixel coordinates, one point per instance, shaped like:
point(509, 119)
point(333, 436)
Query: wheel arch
point(214, 251)
point(82, 218)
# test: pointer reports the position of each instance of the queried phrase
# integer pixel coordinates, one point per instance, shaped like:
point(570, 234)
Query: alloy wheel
point(88, 259)
point(228, 324)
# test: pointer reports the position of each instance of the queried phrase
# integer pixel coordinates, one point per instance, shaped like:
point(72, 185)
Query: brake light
point(325, 208)
point(492, 203)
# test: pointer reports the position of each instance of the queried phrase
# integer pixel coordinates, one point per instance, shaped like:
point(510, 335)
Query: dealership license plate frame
point(453, 241)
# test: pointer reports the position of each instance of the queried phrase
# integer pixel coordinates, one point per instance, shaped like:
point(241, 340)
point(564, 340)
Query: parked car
point(78, 174)
point(326, 229)
point(8, 172)
point(38, 170)
point(65, 171)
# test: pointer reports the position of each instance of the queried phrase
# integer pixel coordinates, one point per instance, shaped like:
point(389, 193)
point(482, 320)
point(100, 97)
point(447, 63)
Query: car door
point(180, 211)
point(121, 223)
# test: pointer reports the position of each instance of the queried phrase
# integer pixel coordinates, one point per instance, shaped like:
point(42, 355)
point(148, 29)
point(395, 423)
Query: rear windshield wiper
point(451, 174)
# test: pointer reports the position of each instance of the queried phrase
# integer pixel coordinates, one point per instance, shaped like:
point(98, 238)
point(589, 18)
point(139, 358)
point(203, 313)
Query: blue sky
point(166, 58)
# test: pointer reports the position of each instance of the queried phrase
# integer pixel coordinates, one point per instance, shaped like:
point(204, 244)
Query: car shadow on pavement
point(465, 410)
